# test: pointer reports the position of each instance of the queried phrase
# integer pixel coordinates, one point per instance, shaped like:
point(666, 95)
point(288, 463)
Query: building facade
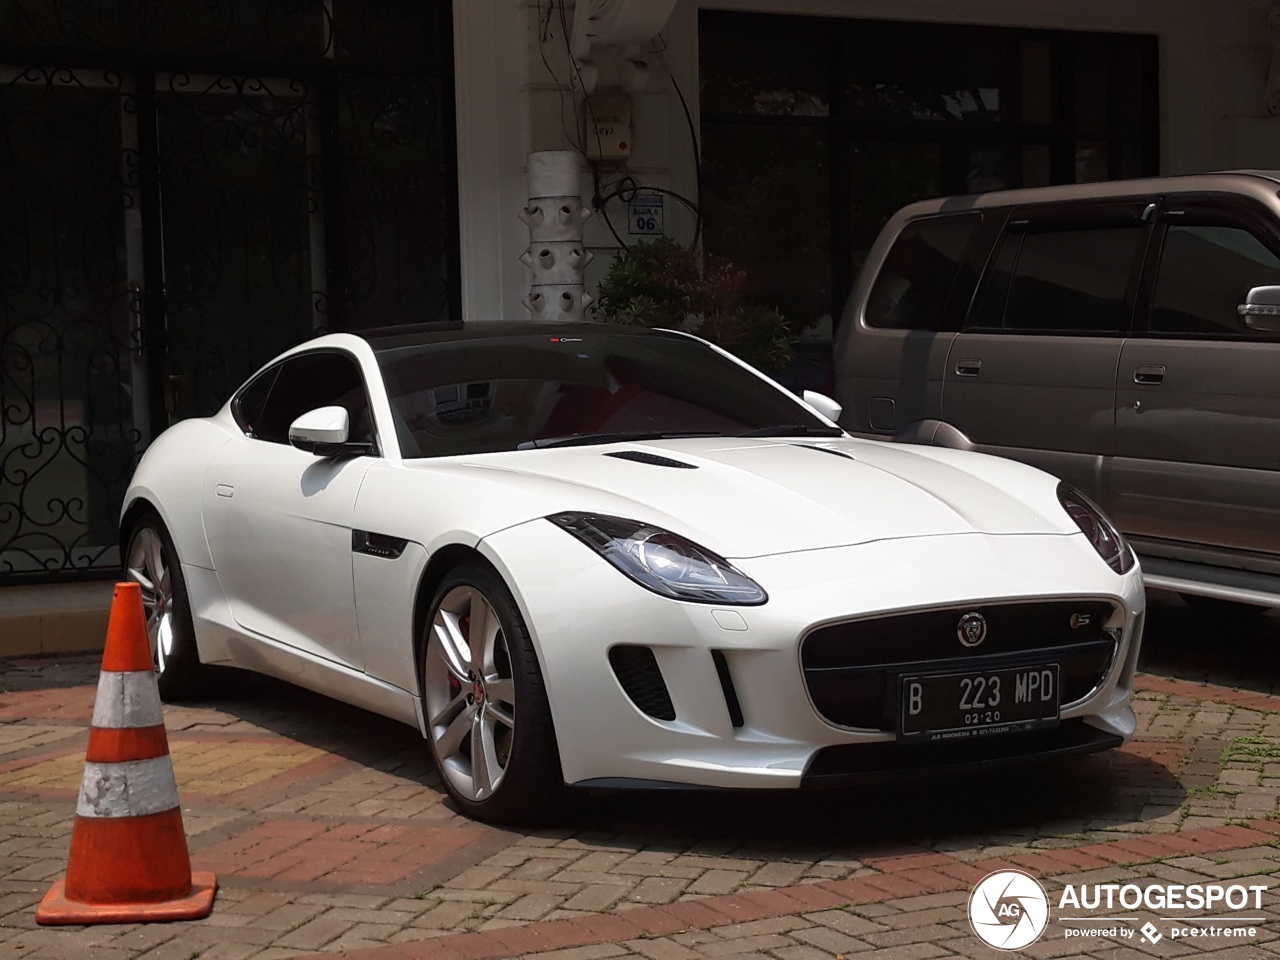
point(188, 188)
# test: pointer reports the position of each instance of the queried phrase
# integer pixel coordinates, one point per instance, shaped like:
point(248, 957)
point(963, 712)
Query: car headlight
point(1093, 523)
point(662, 561)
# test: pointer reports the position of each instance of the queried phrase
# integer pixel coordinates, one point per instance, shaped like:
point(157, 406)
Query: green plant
point(660, 283)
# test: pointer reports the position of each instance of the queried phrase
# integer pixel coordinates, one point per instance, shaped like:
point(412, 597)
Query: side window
point(911, 290)
point(1205, 272)
point(303, 383)
point(248, 403)
point(1071, 280)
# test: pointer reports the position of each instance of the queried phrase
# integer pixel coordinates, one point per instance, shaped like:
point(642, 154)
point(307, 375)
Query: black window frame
point(1122, 214)
point(273, 372)
point(1203, 209)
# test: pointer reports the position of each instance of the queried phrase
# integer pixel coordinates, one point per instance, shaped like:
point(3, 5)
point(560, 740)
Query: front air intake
point(637, 670)
point(727, 688)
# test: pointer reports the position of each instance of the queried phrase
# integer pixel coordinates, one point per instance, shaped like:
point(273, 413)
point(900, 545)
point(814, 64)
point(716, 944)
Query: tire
point(151, 561)
point(1223, 609)
point(471, 685)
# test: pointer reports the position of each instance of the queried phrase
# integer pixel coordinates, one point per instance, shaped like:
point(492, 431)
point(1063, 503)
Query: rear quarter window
point(915, 282)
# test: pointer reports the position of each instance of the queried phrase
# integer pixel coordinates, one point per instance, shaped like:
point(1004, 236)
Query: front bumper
point(578, 608)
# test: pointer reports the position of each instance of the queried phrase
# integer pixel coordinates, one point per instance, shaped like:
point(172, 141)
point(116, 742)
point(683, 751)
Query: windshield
point(504, 393)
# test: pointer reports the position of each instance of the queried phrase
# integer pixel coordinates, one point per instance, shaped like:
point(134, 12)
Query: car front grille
point(853, 670)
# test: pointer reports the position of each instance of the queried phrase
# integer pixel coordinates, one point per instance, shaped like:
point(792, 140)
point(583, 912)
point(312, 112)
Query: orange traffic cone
point(128, 861)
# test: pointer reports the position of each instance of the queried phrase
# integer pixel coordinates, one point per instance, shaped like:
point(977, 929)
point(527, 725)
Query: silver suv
point(1124, 336)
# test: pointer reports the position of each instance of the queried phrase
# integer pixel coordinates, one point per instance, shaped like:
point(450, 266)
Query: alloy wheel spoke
point(154, 558)
point(485, 771)
point(500, 689)
point(450, 742)
point(446, 714)
point(452, 645)
point(138, 574)
point(500, 715)
point(484, 625)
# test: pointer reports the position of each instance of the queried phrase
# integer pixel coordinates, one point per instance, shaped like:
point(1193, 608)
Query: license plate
point(951, 706)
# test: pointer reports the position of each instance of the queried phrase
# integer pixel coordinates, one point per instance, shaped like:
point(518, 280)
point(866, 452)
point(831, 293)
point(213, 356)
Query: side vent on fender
point(637, 670)
point(653, 459)
point(377, 544)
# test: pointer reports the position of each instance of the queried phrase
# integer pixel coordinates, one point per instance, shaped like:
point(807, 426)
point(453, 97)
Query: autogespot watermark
point(1009, 910)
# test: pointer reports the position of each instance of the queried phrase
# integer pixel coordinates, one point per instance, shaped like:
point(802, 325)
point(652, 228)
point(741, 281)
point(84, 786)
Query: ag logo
point(1008, 910)
point(972, 629)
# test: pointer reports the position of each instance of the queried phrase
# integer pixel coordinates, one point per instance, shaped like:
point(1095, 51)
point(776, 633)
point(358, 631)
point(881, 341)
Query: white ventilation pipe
point(556, 258)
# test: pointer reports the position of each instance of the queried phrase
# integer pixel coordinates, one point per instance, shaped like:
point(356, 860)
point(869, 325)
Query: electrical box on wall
point(608, 126)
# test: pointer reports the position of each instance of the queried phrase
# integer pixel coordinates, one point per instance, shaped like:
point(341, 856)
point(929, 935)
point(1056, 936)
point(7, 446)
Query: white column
point(491, 70)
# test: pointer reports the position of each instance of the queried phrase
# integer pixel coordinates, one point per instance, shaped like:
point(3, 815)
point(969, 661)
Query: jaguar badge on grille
point(972, 629)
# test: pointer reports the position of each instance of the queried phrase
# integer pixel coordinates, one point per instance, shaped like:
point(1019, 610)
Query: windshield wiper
point(794, 430)
point(583, 439)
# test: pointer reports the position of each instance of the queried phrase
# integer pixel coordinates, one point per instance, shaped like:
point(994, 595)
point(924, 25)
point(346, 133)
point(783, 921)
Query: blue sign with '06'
point(644, 215)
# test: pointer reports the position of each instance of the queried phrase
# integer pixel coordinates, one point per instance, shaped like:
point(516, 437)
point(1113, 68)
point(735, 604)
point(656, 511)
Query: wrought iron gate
point(209, 184)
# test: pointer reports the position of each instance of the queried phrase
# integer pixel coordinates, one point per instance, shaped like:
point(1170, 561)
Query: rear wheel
point(152, 562)
point(488, 720)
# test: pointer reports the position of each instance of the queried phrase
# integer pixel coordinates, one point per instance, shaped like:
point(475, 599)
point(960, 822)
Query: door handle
point(1149, 373)
point(968, 368)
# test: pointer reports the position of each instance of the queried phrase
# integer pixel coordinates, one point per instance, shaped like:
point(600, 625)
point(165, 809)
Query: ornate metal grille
point(243, 231)
point(67, 318)
point(202, 186)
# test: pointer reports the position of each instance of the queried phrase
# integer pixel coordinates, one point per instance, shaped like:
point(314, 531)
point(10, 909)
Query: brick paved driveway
point(328, 833)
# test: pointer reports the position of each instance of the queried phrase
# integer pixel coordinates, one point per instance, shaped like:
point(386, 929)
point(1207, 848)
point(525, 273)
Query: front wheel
point(152, 562)
point(488, 719)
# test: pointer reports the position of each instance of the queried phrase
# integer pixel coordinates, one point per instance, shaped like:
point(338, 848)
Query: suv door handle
point(1149, 373)
point(968, 368)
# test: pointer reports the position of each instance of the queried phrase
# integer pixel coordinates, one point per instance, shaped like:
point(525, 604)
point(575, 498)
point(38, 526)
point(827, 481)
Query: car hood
point(756, 497)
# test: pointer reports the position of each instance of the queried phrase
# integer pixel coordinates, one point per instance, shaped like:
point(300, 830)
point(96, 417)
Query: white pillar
point(555, 258)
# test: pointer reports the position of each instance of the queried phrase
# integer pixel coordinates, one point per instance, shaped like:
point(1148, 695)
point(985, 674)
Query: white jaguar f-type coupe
point(585, 555)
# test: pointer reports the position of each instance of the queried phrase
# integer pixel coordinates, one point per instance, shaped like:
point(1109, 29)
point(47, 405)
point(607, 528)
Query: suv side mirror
point(822, 404)
point(1261, 309)
point(324, 432)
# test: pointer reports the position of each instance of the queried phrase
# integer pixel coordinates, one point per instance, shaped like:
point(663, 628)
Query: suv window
point(1071, 280)
point(278, 396)
point(1205, 272)
point(913, 286)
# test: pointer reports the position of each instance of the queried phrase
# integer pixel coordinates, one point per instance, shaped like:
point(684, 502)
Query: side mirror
point(324, 432)
point(822, 404)
point(1261, 309)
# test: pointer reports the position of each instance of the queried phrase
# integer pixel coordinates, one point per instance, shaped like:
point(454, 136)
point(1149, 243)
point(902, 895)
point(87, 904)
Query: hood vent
point(831, 450)
point(653, 459)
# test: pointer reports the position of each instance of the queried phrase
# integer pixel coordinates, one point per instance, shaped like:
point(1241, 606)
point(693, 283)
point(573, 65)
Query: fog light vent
point(637, 670)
